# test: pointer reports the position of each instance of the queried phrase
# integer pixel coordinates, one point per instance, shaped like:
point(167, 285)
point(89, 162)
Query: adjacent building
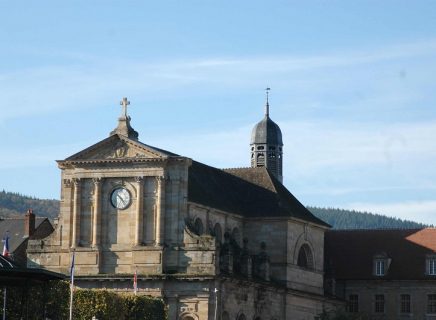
point(383, 274)
point(20, 230)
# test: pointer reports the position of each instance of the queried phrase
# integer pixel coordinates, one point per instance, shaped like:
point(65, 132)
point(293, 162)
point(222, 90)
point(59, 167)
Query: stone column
point(96, 221)
point(139, 210)
point(76, 214)
point(160, 212)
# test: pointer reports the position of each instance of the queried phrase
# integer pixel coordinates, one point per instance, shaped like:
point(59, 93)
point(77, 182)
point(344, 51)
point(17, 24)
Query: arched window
point(236, 236)
point(225, 316)
point(218, 233)
point(242, 317)
point(198, 225)
point(305, 257)
point(260, 160)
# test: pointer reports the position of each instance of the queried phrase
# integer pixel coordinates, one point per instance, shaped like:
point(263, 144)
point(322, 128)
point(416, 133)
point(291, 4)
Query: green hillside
point(14, 204)
point(350, 219)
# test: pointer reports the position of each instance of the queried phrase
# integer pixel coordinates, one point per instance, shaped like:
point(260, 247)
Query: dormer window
point(381, 264)
point(380, 267)
point(431, 265)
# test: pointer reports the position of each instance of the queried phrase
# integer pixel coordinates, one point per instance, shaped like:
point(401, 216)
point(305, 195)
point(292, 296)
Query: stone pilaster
point(139, 210)
point(75, 236)
point(160, 212)
point(96, 221)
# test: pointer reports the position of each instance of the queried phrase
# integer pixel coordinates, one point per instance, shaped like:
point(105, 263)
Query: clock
point(120, 198)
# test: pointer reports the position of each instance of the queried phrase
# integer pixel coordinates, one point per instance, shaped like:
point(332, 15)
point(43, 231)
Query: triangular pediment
point(119, 147)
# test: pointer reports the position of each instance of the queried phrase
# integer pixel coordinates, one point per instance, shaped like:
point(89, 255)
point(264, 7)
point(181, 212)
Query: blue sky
point(353, 89)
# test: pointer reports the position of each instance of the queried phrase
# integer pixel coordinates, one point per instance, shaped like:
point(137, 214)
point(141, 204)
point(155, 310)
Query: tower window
point(260, 147)
point(260, 160)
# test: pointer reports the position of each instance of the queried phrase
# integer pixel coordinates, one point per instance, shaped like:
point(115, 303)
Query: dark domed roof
point(267, 131)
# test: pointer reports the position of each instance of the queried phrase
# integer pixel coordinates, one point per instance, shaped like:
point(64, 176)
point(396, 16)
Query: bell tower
point(266, 145)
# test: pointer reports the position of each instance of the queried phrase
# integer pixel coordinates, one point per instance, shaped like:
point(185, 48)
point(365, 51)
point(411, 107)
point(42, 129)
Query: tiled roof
point(349, 254)
point(15, 227)
point(250, 192)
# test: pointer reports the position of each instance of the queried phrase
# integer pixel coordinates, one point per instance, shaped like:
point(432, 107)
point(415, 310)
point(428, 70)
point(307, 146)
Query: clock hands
point(121, 199)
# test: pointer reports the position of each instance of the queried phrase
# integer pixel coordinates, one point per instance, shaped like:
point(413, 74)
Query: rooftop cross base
point(124, 128)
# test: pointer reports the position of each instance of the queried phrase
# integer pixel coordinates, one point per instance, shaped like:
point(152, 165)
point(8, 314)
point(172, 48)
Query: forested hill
point(347, 219)
point(14, 204)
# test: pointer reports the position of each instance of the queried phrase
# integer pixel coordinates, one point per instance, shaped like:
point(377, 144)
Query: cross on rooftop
point(124, 103)
point(267, 101)
point(267, 93)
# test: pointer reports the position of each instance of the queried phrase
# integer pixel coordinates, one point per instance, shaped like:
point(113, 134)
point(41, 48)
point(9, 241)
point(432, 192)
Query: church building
point(213, 243)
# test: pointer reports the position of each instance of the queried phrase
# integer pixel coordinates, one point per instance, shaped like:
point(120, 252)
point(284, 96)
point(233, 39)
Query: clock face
point(120, 198)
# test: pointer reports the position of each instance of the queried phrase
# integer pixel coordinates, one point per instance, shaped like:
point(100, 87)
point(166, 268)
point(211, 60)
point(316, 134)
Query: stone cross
point(125, 103)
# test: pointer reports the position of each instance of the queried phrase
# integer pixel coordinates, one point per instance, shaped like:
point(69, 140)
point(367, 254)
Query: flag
point(135, 281)
point(6, 246)
point(72, 271)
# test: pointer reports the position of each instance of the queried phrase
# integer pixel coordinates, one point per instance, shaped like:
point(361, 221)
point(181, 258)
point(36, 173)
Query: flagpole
point(72, 286)
point(135, 281)
point(6, 254)
point(216, 302)
point(4, 303)
point(71, 302)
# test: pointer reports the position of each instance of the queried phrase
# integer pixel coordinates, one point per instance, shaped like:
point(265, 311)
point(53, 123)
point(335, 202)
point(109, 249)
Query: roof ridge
point(380, 229)
point(237, 168)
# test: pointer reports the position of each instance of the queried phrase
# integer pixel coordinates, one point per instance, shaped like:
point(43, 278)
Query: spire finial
point(124, 128)
point(124, 103)
point(267, 101)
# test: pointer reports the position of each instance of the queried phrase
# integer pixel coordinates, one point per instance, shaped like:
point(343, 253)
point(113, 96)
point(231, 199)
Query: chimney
point(29, 223)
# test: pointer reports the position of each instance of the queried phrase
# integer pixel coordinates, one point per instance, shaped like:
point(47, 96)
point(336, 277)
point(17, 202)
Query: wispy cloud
point(420, 211)
point(86, 81)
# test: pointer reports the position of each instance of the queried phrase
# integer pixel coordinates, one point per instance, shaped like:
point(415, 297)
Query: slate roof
point(250, 192)
point(15, 275)
point(15, 226)
point(266, 131)
point(349, 254)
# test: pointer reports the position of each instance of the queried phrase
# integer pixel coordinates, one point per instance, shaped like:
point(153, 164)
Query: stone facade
point(127, 206)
